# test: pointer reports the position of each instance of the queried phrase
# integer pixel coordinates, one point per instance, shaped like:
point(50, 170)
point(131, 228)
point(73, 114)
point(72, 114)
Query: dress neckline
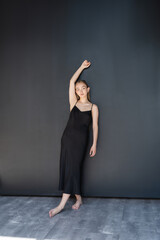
point(82, 111)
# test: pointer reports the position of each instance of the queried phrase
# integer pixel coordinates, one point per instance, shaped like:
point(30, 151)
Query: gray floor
point(97, 219)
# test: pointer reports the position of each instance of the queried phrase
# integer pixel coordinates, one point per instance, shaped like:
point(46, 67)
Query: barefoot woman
point(75, 139)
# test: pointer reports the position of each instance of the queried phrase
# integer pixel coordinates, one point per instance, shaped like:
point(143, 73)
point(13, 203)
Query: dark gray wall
point(42, 43)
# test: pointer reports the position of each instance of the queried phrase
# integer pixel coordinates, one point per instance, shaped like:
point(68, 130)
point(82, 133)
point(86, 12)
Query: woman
point(75, 139)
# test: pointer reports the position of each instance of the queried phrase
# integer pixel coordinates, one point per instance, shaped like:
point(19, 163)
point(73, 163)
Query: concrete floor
point(97, 219)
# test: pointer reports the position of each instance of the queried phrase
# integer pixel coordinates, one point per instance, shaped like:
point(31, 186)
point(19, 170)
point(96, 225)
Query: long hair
point(88, 94)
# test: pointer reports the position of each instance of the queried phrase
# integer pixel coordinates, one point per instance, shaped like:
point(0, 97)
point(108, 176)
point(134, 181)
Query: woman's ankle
point(79, 198)
point(60, 207)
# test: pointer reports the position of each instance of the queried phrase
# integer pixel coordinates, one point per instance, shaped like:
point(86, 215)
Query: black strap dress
point(74, 142)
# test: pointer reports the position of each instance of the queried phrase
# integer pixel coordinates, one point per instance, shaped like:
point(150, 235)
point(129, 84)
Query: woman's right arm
point(72, 95)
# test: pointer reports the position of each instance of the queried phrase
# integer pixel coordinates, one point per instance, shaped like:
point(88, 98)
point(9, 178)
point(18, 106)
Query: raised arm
point(72, 95)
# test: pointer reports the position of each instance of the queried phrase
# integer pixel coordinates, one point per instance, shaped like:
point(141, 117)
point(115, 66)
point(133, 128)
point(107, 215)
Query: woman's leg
point(78, 202)
point(61, 205)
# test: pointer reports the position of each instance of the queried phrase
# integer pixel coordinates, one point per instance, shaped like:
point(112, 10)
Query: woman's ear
point(88, 89)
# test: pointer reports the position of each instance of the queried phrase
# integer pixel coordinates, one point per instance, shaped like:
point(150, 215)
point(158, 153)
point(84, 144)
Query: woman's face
point(81, 89)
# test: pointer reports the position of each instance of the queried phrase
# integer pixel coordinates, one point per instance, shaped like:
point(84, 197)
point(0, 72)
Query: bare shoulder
point(95, 107)
point(95, 113)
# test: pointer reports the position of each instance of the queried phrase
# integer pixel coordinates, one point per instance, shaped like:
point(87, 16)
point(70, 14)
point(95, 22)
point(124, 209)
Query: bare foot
point(77, 204)
point(54, 211)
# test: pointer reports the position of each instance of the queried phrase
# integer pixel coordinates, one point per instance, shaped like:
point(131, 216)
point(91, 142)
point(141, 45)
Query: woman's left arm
point(95, 115)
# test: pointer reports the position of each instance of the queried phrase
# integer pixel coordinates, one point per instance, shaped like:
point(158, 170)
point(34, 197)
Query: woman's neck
point(83, 100)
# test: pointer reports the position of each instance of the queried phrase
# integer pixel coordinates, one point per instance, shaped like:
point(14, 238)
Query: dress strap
point(76, 103)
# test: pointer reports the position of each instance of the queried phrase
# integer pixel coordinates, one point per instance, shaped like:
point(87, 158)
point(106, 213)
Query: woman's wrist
point(82, 68)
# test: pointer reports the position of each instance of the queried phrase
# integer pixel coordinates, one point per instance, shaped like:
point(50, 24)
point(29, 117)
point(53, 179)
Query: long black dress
point(73, 148)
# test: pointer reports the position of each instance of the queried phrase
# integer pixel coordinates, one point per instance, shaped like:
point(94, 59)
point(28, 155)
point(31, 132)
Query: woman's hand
point(86, 64)
point(92, 151)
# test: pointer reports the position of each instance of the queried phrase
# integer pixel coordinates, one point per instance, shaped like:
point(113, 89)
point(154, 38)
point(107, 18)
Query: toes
point(75, 207)
point(50, 213)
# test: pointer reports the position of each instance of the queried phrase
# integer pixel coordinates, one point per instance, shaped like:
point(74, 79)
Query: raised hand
point(86, 64)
